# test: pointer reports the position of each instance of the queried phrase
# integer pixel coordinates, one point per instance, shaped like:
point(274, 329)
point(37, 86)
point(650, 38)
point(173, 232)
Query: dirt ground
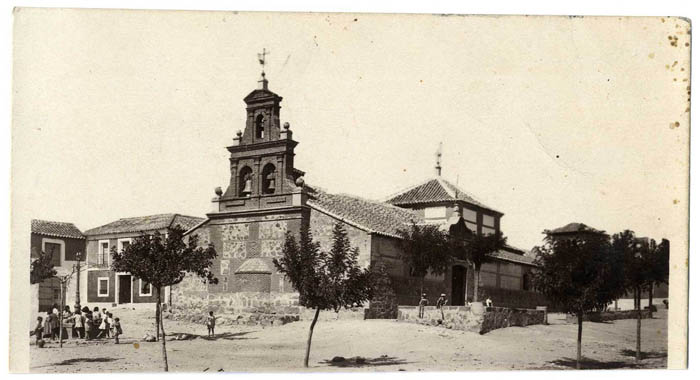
point(385, 345)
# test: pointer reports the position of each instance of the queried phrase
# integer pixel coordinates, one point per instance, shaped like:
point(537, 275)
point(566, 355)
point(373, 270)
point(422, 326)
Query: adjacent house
point(66, 245)
point(107, 287)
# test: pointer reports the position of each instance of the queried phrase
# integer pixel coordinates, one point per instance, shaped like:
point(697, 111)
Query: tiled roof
point(573, 228)
point(146, 223)
point(514, 257)
point(58, 229)
point(254, 265)
point(432, 191)
point(371, 216)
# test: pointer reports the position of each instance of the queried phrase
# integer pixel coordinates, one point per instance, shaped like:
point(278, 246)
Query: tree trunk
point(578, 341)
point(157, 321)
point(638, 295)
point(311, 333)
point(651, 300)
point(160, 324)
point(477, 273)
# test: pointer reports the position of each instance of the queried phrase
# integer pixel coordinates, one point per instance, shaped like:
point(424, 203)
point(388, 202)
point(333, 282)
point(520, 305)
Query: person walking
point(421, 305)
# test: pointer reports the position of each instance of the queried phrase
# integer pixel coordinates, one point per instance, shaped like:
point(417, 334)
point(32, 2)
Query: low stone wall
point(607, 316)
point(502, 317)
point(472, 318)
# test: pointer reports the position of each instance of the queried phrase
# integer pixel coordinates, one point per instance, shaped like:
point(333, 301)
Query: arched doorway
point(459, 283)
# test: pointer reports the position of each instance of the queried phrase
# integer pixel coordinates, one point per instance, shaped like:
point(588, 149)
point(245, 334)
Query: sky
point(548, 120)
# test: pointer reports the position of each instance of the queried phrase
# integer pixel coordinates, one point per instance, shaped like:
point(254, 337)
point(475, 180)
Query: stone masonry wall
point(474, 319)
point(257, 298)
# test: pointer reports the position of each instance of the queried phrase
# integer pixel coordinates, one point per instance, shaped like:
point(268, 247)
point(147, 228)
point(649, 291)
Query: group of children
point(86, 324)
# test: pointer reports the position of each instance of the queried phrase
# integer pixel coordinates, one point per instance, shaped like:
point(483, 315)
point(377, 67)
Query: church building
point(266, 197)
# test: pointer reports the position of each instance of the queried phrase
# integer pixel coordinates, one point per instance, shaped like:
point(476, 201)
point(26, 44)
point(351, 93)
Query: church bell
point(271, 182)
point(248, 188)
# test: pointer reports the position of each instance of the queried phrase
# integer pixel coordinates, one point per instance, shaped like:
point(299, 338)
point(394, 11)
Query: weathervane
point(261, 59)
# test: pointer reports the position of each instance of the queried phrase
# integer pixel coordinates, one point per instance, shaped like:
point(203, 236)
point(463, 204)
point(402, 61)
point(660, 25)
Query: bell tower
point(262, 157)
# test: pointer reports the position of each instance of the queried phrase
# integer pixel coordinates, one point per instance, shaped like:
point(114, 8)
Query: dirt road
point(383, 345)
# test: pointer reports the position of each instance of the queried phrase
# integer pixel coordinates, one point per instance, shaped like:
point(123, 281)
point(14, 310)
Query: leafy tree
point(580, 275)
point(426, 249)
point(659, 269)
point(325, 280)
point(164, 261)
point(478, 249)
point(646, 264)
point(41, 268)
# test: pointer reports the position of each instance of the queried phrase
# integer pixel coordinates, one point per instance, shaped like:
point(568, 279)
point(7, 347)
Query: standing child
point(107, 320)
point(38, 330)
point(89, 325)
point(211, 322)
point(79, 323)
point(117, 326)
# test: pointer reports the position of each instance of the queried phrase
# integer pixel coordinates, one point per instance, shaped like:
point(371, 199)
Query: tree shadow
point(645, 355)
point(358, 361)
point(85, 360)
point(225, 336)
point(587, 363)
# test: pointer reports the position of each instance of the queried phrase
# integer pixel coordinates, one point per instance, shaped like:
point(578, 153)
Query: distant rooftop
point(146, 223)
point(573, 228)
point(57, 229)
point(434, 190)
point(513, 257)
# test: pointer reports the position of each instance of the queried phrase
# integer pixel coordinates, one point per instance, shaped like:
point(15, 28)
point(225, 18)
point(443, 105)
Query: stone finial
point(238, 138)
point(285, 133)
point(218, 191)
point(300, 182)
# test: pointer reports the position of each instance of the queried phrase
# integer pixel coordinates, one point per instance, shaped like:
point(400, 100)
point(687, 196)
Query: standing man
point(442, 301)
point(421, 305)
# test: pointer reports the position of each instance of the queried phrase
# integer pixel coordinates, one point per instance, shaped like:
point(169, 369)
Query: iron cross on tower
point(261, 59)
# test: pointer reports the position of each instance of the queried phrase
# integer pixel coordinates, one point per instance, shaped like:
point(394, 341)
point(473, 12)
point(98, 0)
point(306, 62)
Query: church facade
point(267, 197)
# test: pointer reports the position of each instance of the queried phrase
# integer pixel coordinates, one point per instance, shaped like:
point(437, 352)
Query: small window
point(54, 251)
point(103, 287)
point(469, 215)
point(123, 244)
point(145, 289)
point(489, 220)
point(103, 252)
